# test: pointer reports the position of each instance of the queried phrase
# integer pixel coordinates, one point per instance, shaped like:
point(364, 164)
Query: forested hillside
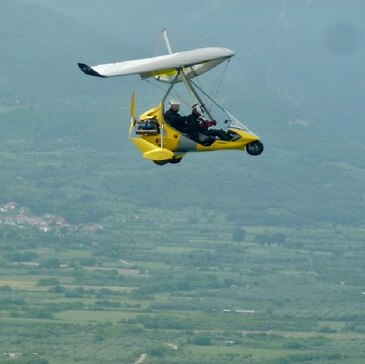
point(64, 135)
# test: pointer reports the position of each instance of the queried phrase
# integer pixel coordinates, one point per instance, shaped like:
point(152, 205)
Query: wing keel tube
point(88, 70)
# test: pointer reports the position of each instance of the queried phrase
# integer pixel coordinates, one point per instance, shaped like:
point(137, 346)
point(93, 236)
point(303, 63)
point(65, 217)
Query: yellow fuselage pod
point(173, 140)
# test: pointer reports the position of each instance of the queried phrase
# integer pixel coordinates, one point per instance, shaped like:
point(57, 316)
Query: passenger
point(204, 125)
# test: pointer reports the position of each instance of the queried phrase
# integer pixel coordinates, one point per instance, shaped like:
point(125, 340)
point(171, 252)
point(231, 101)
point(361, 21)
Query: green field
point(214, 300)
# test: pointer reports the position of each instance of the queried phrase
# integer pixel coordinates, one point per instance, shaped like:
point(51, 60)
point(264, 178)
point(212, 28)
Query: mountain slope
point(64, 135)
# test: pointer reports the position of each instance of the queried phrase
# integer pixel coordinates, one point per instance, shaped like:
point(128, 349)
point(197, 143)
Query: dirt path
point(141, 359)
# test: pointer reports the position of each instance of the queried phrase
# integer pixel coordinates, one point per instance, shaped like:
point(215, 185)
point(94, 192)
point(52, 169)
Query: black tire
point(161, 163)
point(175, 160)
point(255, 148)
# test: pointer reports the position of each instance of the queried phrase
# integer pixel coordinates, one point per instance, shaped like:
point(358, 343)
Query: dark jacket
point(185, 124)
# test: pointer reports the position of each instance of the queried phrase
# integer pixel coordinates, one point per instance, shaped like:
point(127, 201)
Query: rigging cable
point(219, 81)
point(215, 87)
point(157, 48)
point(205, 94)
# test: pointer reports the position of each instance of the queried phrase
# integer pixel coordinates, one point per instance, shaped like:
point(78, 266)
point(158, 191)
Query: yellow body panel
point(151, 151)
point(170, 136)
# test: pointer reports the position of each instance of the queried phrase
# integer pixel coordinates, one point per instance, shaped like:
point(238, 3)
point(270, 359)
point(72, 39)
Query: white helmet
point(174, 102)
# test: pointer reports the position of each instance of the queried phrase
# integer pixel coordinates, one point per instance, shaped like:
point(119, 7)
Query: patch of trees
point(51, 263)
point(239, 235)
point(26, 256)
point(161, 322)
point(97, 277)
point(268, 239)
point(201, 340)
point(52, 281)
point(167, 283)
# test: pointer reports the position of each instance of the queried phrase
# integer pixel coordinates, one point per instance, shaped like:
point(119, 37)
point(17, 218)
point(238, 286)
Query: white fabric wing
point(163, 68)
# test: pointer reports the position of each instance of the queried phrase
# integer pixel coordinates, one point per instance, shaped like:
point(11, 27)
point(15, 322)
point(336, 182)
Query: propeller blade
point(133, 106)
point(133, 114)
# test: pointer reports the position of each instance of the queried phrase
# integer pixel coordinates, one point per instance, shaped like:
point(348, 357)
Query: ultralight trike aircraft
point(155, 138)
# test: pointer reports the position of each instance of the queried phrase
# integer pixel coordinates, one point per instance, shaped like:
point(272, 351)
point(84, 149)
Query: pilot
point(173, 117)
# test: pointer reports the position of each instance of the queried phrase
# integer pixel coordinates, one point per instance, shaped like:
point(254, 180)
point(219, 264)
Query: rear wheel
point(255, 148)
point(175, 160)
point(161, 163)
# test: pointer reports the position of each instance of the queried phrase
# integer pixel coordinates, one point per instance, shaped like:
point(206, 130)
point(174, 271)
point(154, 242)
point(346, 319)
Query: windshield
point(232, 122)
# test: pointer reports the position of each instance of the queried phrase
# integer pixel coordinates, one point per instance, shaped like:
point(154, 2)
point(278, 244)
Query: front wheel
point(255, 148)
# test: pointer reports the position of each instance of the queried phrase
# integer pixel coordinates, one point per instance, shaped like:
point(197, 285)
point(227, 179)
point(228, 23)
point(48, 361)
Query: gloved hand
point(203, 124)
point(207, 124)
point(211, 123)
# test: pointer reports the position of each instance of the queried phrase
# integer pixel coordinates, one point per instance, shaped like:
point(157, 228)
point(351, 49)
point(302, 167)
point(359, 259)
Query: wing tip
point(88, 70)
